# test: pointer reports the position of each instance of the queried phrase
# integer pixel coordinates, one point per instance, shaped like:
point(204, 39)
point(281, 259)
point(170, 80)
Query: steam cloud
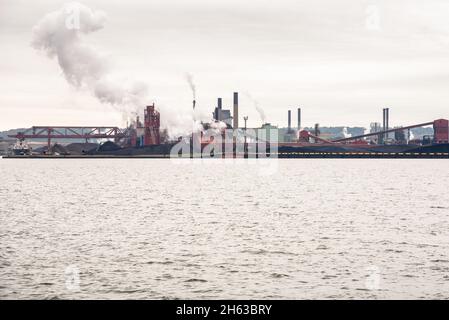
point(60, 33)
point(260, 111)
point(257, 107)
point(345, 133)
point(192, 85)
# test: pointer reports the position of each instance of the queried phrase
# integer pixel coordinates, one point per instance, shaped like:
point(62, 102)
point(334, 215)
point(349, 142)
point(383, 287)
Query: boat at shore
point(21, 148)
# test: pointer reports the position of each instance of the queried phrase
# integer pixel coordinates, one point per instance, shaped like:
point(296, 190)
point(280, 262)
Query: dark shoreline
point(279, 156)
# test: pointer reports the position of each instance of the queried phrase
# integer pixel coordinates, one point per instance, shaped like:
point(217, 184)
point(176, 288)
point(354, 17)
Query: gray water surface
point(143, 228)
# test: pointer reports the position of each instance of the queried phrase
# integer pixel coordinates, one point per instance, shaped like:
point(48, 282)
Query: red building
point(441, 131)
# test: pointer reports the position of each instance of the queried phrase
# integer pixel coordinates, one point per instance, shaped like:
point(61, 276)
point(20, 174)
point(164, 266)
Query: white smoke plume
point(366, 131)
point(189, 78)
point(412, 136)
point(345, 133)
point(257, 107)
point(218, 126)
point(60, 35)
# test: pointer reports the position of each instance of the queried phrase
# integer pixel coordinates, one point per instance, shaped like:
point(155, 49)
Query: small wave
point(192, 255)
point(262, 251)
point(195, 280)
point(279, 275)
point(169, 298)
point(192, 265)
point(395, 251)
point(46, 284)
point(208, 291)
point(159, 262)
point(127, 291)
point(425, 245)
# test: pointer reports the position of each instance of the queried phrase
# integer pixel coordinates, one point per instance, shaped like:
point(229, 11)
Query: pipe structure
point(386, 131)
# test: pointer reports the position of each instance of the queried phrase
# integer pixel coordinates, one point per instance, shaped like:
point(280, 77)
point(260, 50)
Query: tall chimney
point(236, 110)
point(386, 122)
point(299, 118)
point(217, 112)
point(289, 121)
point(387, 115)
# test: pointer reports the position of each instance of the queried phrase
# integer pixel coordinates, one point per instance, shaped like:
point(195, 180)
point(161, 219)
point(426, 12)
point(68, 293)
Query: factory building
point(220, 114)
point(148, 133)
point(268, 127)
point(225, 116)
point(441, 132)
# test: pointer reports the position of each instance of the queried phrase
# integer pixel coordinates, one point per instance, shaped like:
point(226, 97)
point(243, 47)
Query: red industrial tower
point(152, 125)
point(440, 131)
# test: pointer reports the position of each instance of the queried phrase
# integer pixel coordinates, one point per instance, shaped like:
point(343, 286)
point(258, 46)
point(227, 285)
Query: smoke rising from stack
point(260, 111)
point(257, 106)
point(60, 35)
point(189, 78)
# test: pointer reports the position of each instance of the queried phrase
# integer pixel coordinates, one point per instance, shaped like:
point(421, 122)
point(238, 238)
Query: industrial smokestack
point(317, 129)
point(236, 110)
point(217, 112)
point(386, 122)
point(289, 121)
point(387, 116)
point(299, 118)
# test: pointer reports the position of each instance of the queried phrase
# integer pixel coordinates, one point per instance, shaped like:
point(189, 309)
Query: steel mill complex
point(229, 139)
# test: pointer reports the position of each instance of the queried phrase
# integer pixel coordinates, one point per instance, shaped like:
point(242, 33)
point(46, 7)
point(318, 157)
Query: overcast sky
point(341, 61)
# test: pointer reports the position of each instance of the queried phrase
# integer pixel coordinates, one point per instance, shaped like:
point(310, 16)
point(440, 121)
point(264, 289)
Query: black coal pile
point(59, 149)
point(108, 146)
point(81, 148)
